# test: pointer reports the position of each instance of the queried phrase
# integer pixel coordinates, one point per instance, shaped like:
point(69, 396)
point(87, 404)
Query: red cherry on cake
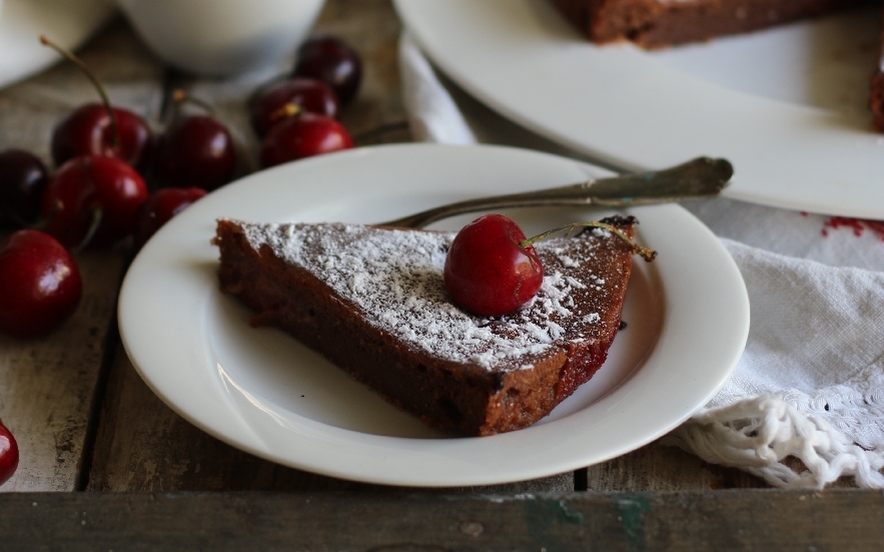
point(488, 271)
point(23, 177)
point(196, 150)
point(93, 198)
point(99, 128)
point(41, 284)
point(304, 135)
point(330, 60)
point(8, 454)
point(289, 97)
point(161, 206)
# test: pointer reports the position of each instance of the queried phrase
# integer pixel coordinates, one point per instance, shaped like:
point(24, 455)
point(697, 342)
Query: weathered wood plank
point(683, 521)
point(48, 385)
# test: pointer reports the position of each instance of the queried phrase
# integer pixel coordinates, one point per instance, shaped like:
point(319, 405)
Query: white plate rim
point(618, 106)
point(158, 329)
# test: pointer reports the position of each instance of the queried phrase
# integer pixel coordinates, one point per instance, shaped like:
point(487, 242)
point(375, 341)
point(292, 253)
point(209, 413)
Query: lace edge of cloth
point(757, 434)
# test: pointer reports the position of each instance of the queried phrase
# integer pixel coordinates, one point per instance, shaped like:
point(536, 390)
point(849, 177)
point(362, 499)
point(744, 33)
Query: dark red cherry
point(8, 454)
point(330, 60)
point(161, 206)
point(306, 135)
point(87, 130)
point(488, 272)
point(93, 190)
point(196, 150)
point(99, 128)
point(41, 284)
point(289, 97)
point(23, 177)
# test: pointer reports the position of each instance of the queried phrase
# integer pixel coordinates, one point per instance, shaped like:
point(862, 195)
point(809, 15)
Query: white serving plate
point(786, 106)
point(262, 391)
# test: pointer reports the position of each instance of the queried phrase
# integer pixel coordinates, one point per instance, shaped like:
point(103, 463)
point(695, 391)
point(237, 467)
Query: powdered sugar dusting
point(395, 279)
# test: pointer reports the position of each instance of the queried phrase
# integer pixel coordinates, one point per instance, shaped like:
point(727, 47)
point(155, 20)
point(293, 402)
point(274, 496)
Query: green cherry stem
point(179, 96)
point(644, 252)
point(94, 223)
point(288, 110)
point(115, 134)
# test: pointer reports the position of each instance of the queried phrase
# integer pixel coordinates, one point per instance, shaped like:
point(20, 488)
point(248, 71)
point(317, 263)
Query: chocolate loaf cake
point(372, 300)
point(660, 23)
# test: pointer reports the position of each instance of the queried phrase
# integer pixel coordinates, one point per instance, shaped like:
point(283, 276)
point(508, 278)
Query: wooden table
point(106, 465)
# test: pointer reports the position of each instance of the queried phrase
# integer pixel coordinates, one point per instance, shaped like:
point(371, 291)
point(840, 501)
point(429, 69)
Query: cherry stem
point(180, 96)
point(97, 215)
point(288, 110)
point(645, 253)
point(115, 134)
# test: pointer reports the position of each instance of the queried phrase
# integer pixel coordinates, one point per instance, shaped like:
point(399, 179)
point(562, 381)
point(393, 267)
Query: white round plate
point(67, 23)
point(786, 106)
point(262, 391)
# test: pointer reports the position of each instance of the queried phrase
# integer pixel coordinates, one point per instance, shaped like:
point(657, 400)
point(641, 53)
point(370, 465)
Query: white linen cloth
point(810, 383)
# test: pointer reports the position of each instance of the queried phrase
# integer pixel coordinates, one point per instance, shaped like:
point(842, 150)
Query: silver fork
point(702, 177)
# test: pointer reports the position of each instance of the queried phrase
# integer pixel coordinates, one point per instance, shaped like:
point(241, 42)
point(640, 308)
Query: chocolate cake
point(659, 23)
point(372, 300)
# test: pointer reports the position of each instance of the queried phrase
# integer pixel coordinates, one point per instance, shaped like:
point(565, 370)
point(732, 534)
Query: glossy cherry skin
point(196, 150)
point(41, 284)
point(8, 454)
point(88, 185)
point(487, 272)
point(87, 131)
point(23, 178)
point(306, 135)
point(330, 60)
point(161, 206)
point(269, 106)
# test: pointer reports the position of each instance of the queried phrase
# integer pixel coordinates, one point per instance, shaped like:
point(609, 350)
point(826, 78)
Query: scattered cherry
point(289, 97)
point(41, 284)
point(488, 271)
point(196, 150)
point(99, 128)
point(23, 177)
point(89, 130)
point(330, 60)
point(8, 454)
point(161, 206)
point(93, 197)
point(302, 136)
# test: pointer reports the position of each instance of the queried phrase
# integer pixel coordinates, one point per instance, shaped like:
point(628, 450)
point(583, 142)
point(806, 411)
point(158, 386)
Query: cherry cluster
point(297, 116)
point(105, 156)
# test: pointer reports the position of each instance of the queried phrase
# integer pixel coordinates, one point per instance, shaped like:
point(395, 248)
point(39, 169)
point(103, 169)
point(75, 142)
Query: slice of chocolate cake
point(660, 23)
point(372, 300)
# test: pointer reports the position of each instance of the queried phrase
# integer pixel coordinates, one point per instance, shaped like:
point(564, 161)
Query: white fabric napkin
point(810, 383)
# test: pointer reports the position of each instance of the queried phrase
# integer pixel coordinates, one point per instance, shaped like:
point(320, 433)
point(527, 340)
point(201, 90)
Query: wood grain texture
point(48, 386)
point(683, 521)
